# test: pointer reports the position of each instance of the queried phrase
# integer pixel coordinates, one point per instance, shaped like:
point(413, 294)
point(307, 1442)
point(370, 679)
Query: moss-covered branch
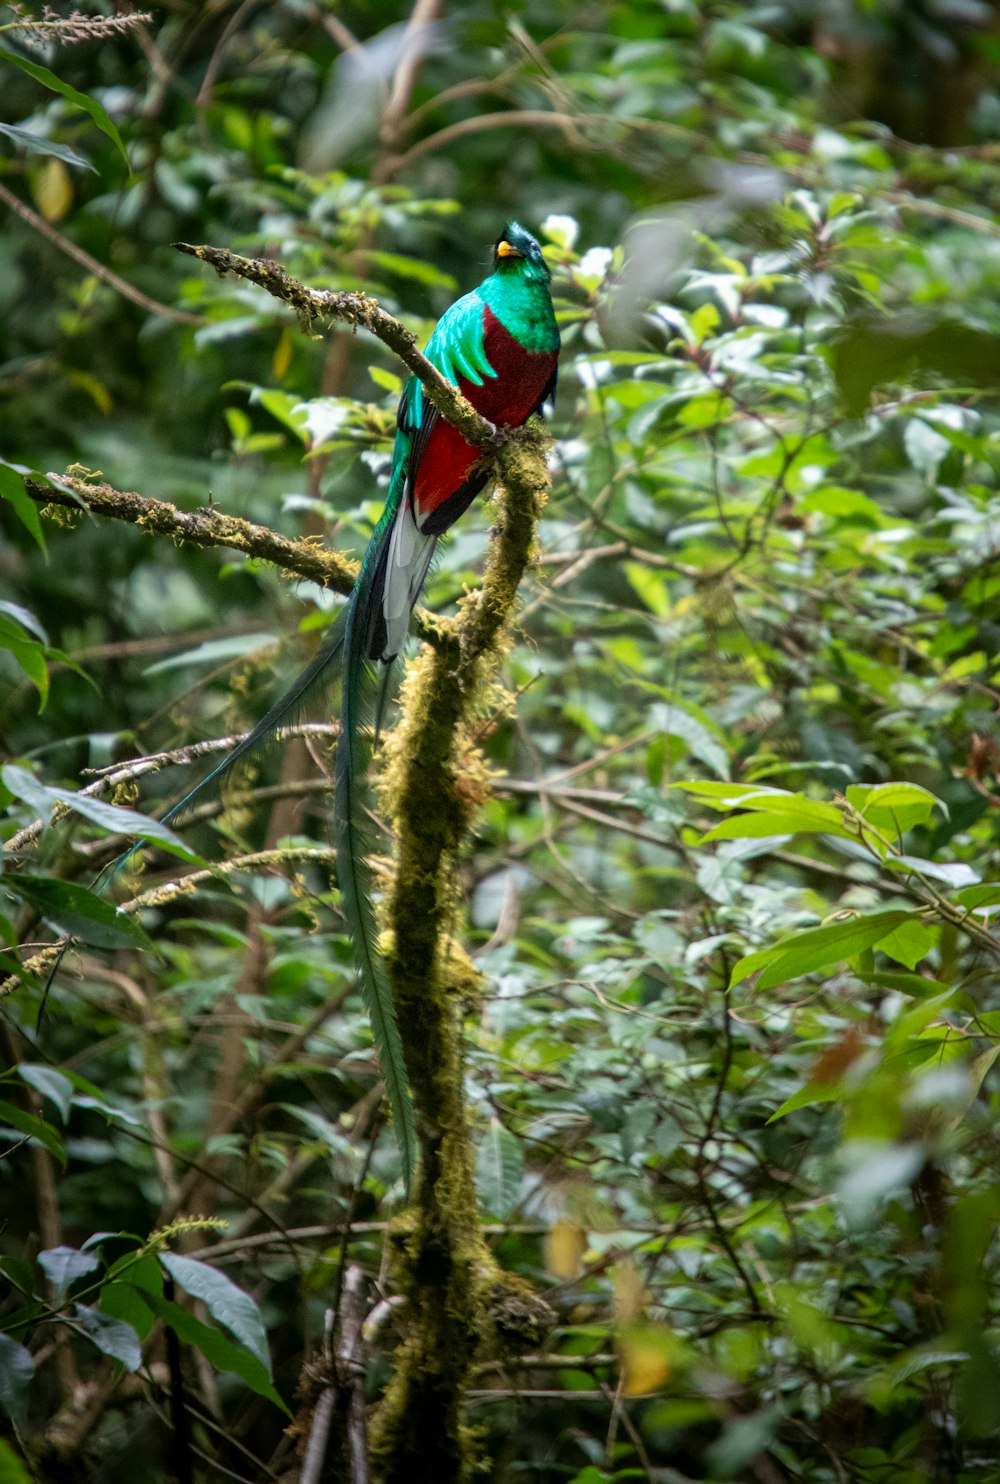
point(461, 1303)
point(365, 313)
point(205, 527)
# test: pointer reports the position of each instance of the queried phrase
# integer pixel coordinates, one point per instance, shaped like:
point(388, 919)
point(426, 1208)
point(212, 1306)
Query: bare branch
point(120, 285)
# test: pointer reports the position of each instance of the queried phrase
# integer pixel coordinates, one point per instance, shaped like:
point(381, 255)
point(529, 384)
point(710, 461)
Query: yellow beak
point(505, 250)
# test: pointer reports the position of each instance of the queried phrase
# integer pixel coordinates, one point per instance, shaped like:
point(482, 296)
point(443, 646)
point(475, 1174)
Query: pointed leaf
point(212, 1343)
point(112, 1337)
point(12, 490)
point(33, 1128)
point(499, 1169)
point(214, 651)
point(37, 144)
point(78, 100)
point(16, 1371)
point(50, 1083)
point(814, 948)
point(63, 1265)
point(77, 912)
point(223, 1300)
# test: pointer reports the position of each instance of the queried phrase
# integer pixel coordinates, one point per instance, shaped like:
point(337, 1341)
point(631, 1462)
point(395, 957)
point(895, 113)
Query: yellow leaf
point(628, 1292)
point(52, 189)
point(94, 389)
point(565, 1245)
point(282, 358)
point(646, 1360)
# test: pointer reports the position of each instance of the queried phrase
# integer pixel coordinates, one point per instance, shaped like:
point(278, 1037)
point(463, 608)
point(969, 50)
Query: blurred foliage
point(732, 1069)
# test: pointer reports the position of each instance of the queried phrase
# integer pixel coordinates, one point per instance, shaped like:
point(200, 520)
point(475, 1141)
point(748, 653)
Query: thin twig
point(51, 234)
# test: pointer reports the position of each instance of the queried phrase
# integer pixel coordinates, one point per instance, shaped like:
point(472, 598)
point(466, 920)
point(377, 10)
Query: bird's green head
point(518, 252)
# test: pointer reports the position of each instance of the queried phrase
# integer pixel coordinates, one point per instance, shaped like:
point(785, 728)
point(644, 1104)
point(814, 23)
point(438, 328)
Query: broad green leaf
point(32, 1128)
point(12, 490)
point(12, 1470)
point(77, 912)
point(23, 785)
point(499, 1169)
point(975, 897)
point(114, 1337)
point(50, 1083)
point(122, 1297)
point(679, 721)
point(651, 585)
point(813, 1092)
point(757, 826)
point(735, 795)
point(895, 807)
point(909, 943)
point(815, 948)
point(418, 269)
point(29, 654)
point(26, 619)
point(16, 1372)
point(37, 144)
point(212, 1343)
point(214, 651)
point(78, 100)
point(223, 1300)
point(63, 1265)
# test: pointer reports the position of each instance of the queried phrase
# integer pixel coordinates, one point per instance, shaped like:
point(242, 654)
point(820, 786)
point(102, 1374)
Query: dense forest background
point(727, 972)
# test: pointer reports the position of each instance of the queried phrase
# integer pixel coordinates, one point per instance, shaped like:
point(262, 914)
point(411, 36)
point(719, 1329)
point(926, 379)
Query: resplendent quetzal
point(499, 345)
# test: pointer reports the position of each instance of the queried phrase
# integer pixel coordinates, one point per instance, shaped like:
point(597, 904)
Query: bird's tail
point(378, 621)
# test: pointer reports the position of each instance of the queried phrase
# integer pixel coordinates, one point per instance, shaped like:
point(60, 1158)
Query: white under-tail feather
point(407, 561)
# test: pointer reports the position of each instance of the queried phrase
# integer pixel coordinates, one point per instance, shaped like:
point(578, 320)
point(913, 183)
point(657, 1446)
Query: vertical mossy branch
point(450, 1277)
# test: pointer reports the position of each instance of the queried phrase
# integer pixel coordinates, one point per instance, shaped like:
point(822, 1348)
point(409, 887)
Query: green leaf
point(499, 1169)
point(680, 721)
point(12, 490)
point(212, 1343)
point(122, 1297)
point(50, 1083)
point(26, 619)
point(651, 586)
point(418, 269)
point(223, 1300)
point(114, 1337)
point(909, 943)
point(895, 807)
point(954, 873)
point(32, 1128)
point(815, 948)
point(758, 826)
point(29, 654)
point(77, 912)
point(813, 1092)
point(12, 1470)
point(37, 144)
point(78, 100)
point(23, 785)
point(16, 1372)
point(974, 897)
point(63, 1265)
point(214, 651)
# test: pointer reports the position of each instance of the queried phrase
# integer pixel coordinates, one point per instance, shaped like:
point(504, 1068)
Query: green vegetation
point(689, 892)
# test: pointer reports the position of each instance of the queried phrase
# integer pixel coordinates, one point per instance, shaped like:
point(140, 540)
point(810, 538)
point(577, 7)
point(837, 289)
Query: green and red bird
point(499, 345)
